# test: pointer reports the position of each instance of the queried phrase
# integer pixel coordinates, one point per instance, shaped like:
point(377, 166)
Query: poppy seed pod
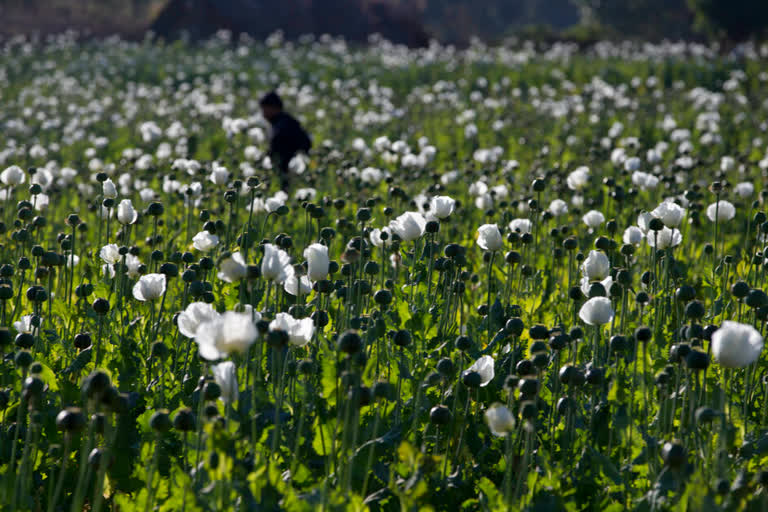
point(559, 341)
point(565, 404)
point(5, 337)
point(694, 310)
point(349, 342)
point(538, 332)
point(595, 376)
point(384, 391)
point(160, 421)
point(597, 289)
point(673, 454)
point(685, 293)
point(524, 367)
point(320, 317)
point(184, 421)
point(169, 270)
point(697, 360)
point(693, 331)
point(402, 338)
point(22, 359)
point(528, 387)
point(471, 379)
point(740, 289)
point(440, 415)
point(656, 224)
point(514, 326)
point(570, 244)
point(445, 367)
point(383, 297)
point(70, 419)
point(709, 330)
point(24, 340)
point(463, 343)
point(84, 290)
point(528, 410)
point(661, 379)
point(277, 338)
point(570, 375)
point(33, 387)
point(96, 383)
point(101, 306)
point(756, 298)
point(305, 367)
point(643, 334)
point(155, 209)
point(618, 344)
point(210, 411)
point(705, 415)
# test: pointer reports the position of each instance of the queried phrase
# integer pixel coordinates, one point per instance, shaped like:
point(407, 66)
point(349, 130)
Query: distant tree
point(640, 19)
point(734, 20)
point(458, 20)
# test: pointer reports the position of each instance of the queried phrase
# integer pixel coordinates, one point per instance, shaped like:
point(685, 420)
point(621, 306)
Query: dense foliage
point(506, 277)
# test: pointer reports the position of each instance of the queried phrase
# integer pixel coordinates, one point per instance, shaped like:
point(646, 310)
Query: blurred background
point(412, 22)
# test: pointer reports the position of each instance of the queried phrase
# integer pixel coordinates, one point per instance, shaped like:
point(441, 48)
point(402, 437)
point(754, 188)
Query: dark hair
point(271, 99)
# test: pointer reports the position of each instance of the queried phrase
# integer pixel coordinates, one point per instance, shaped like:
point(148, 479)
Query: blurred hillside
point(98, 17)
point(408, 21)
point(411, 22)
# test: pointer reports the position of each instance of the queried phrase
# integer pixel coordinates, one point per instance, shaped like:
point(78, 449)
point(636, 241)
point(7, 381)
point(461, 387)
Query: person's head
point(271, 105)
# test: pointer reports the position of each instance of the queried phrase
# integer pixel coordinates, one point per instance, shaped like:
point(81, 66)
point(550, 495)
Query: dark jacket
point(288, 138)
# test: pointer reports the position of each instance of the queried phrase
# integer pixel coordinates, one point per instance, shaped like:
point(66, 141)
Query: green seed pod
point(70, 419)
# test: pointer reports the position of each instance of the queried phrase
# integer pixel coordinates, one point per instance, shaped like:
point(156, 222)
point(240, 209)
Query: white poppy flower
point(664, 238)
point(593, 219)
point(522, 226)
point(721, 210)
point(317, 261)
point(233, 268)
point(276, 264)
point(409, 226)
point(126, 213)
point(195, 314)
point(110, 254)
point(300, 331)
point(671, 214)
point(578, 179)
point(500, 420)
point(558, 207)
point(736, 345)
point(596, 311)
point(377, 240)
point(204, 241)
point(225, 375)
point(484, 367)
point(633, 235)
point(596, 266)
point(489, 237)
point(13, 176)
point(108, 189)
point(442, 206)
point(228, 333)
point(149, 287)
point(294, 285)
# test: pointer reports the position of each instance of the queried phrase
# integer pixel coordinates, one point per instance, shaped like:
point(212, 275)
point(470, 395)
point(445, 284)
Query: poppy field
point(507, 277)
